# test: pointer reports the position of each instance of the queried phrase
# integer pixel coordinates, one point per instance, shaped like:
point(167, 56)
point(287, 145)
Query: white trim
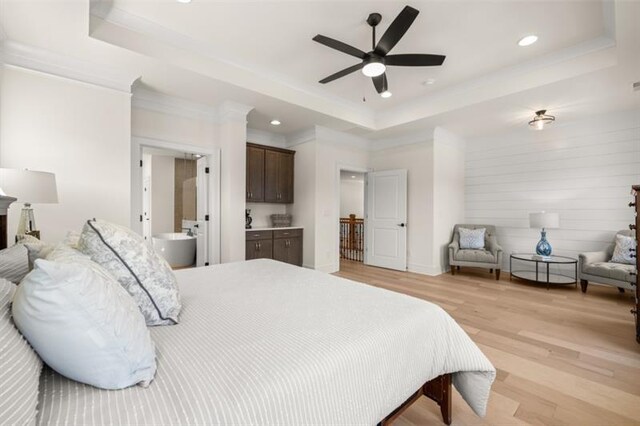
point(166, 104)
point(417, 268)
point(137, 144)
point(21, 55)
point(232, 111)
point(301, 137)
point(264, 137)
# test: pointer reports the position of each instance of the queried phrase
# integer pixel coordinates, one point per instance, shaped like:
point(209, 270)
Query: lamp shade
point(544, 220)
point(29, 186)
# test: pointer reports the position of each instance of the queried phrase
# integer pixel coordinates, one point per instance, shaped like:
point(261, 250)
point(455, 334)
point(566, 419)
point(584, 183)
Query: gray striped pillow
point(14, 263)
point(19, 367)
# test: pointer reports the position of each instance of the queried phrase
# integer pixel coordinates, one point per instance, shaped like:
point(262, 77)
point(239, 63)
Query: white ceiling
point(274, 37)
point(261, 54)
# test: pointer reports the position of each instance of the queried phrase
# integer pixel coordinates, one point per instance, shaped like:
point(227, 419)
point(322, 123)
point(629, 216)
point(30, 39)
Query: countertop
point(280, 228)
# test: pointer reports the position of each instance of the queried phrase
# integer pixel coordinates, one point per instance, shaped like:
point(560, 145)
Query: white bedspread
point(262, 342)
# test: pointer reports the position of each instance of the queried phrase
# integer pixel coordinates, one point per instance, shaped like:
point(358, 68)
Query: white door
point(385, 220)
point(202, 211)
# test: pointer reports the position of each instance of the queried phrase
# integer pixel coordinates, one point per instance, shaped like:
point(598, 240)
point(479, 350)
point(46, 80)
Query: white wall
point(162, 193)
point(261, 213)
point(303, 209)
point(351, 197)
point(174, 128)
point(417, 159)
point(448, 192)
point(583, 170)
point(78, 131)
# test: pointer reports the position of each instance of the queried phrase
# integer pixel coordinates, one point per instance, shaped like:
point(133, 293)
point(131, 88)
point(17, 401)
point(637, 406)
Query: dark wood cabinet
point(287, 246)
point(259, 245)
point(255, 174)
point(271, 169)
point(284, 245)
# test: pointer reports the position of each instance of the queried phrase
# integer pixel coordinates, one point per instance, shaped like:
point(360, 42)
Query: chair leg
point(621, 290)
point(453, 270)
point(491, 271)
point(583, 285)
point(458, 267)
point(497, 274)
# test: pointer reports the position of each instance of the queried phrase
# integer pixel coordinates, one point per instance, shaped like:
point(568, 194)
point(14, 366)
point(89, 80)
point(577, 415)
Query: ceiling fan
point(374, 63)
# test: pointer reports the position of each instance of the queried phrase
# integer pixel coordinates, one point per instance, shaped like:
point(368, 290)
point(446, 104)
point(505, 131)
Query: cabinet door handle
point(256, 245)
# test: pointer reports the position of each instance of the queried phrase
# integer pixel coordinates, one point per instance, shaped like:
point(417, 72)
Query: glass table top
point(530, 257)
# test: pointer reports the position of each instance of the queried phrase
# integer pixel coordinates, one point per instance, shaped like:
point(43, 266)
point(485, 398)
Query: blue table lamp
point(544, 221)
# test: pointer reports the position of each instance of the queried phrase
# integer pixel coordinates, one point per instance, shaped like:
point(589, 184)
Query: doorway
point(352, 208)
point(175, 200)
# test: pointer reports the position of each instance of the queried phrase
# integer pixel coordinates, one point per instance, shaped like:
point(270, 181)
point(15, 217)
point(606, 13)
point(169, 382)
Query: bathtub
point(178, 249)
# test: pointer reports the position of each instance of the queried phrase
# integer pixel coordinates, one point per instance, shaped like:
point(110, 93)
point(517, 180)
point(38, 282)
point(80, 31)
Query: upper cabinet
point(269, 174)
point(255, 173)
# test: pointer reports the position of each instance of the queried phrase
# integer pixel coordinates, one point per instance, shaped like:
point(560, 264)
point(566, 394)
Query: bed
point(263, 342)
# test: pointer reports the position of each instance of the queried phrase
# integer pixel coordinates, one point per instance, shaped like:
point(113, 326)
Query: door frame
point(336, 213)
point(213, 156)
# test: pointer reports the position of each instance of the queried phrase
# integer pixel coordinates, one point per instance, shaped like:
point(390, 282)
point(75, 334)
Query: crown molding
point(233, 111)
point(301, 137)
point(264, 137)
point(158, 102)
point(48, 62)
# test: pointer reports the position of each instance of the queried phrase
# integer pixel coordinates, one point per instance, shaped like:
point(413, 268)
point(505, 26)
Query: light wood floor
point(563, 357)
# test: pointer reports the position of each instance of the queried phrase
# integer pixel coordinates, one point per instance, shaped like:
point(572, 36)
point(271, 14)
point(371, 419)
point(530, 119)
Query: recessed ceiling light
point(528, 40)
point(275, 122)
point(353, 177)
point(386, 94)
point(429, 82)
point(184, 1)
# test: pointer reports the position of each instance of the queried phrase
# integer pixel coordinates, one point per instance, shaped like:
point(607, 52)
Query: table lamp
point(29, 187)
point(544, 221)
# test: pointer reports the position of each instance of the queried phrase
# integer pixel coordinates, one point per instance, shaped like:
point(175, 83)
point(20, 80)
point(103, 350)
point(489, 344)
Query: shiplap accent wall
point(583, 170)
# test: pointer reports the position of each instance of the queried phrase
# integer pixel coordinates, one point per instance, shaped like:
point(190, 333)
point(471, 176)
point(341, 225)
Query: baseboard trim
point(424, 269)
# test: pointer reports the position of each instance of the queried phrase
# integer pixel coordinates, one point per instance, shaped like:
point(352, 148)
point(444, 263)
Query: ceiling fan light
point(528, 40)
point(541, 119)
point(386, 94)
point(373, 69)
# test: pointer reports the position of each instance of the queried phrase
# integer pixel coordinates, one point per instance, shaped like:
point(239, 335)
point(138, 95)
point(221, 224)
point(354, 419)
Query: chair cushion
point(481, 256)
point(623, 250)
point(471, 238)
point(614, 271)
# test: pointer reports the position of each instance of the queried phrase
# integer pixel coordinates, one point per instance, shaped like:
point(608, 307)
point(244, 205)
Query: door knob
point(401, 225)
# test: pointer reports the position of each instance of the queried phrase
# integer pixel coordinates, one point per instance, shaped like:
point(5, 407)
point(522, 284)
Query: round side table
point(544, 275)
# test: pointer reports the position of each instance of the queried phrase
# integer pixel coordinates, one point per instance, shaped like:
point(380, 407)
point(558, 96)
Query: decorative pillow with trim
point(472, 238)
point(138, 268)
point(623, 250)
point(20, 367)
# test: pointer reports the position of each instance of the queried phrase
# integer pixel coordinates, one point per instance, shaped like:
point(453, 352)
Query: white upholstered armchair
point(596, 266)
point(490, 257)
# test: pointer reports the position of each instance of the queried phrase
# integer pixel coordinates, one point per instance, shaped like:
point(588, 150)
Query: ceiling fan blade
point(414, 60)
point(338, 45)
point(342, 73)
point(380, 82)
point(396, 30)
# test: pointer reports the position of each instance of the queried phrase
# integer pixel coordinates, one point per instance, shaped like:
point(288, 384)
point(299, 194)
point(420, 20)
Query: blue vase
point(543, 248)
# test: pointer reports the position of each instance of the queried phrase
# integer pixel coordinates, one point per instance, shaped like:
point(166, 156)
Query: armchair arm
point(493, 246)
point(592, 257)
point(454, 246)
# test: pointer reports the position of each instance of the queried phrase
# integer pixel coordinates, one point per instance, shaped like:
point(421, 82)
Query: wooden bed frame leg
point(438, 389)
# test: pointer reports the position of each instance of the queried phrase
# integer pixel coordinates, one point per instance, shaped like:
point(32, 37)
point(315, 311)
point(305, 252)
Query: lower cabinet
point(259, 245)
point(283, 245)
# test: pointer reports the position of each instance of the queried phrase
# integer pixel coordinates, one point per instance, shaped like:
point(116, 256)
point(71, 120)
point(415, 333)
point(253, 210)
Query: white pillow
point(138, 268)
point(84, 326)
point(471, 238)
point(622, 252)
